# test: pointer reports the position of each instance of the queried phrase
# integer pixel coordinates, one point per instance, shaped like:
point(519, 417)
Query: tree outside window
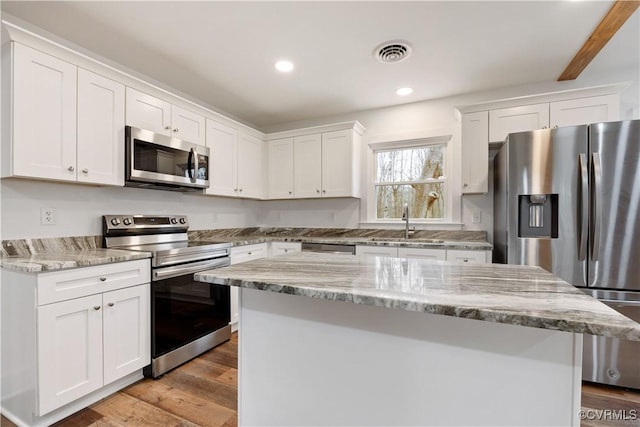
point(411, 175)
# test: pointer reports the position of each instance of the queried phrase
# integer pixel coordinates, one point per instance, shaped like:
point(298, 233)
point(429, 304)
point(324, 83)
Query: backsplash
point(468, 236)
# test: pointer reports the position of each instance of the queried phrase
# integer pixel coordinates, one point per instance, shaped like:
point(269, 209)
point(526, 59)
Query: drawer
point(281, 248)
point(80, 282)
point(248, 253)
point(463, 256)
point(424, 253)
point(377, 250)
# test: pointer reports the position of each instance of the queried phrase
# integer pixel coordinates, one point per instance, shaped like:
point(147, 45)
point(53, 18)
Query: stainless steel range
point(187, 317)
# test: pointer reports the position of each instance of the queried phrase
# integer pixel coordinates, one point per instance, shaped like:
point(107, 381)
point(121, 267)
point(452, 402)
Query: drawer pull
point(103, 279)
point(96, 307)
point(249, 253)
point(465, 260)
point(111, 304)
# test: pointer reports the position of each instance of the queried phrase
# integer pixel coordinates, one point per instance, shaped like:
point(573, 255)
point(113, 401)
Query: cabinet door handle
point(103, 279)
point(111, 304)
point(85, 170)
point(249, 253)
point(324, 191)
point(96, 307)
point(235, 189)
point(465, 185)
point(465, 260)
point(240, 190)
point(317, 191)
point(176, 130)
point(290, 192)
point(71, 168)
point(167, 127)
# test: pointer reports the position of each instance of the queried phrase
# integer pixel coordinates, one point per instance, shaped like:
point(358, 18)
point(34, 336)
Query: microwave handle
point(193, 158)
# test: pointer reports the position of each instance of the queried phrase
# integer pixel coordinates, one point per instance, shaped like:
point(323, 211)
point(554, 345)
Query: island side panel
point(306, 361)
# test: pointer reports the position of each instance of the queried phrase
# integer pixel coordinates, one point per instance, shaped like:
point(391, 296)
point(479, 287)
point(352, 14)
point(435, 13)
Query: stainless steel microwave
point(161, 162)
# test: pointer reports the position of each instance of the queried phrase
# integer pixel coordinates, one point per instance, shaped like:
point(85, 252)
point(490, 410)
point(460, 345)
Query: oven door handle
point(182, 270)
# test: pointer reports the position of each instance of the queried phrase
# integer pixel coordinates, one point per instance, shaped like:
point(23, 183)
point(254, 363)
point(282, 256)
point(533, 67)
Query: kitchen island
point(344, 340)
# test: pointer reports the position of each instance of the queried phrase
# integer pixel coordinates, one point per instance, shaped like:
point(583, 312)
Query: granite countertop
point(518, 295)
point(68, 258)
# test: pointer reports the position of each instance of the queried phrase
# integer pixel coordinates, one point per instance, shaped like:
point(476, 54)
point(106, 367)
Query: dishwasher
point(329, 248)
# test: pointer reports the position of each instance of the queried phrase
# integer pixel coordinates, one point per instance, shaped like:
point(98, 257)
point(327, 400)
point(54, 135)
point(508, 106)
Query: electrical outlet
point(47, 216)
point(477, 216)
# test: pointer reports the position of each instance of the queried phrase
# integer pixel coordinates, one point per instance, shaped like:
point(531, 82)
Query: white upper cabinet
point(236, 162)
point(307, 166)
point(187, 125)
point(475, 146)
point(339, 177)
point(251, 179)
point(326, 164)
point(67, 123)
point(148, 112)
point(43, 110)
point(582, 111)
point(100, 129)
point(280, 167)
point(223, 165)
point(157, 115)
point(517, 119)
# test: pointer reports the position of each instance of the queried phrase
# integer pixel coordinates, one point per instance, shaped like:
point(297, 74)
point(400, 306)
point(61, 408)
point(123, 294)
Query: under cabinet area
point(71, 337)
point(66, 123)
point(157, 115)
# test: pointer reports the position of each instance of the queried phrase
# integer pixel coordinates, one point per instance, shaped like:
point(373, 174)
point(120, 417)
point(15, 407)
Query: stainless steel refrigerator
point(568, 200)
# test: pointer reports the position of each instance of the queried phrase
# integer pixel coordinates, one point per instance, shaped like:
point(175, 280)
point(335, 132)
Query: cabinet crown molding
point(546, 97)
point(352, 125)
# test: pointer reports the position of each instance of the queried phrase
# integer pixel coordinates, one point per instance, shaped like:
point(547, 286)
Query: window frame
point(451, 218)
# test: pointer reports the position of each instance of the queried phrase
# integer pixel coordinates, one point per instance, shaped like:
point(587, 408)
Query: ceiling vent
point(393, 51)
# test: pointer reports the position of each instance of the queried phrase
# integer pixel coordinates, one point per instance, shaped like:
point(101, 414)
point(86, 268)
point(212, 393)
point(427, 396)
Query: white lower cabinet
point(241, 254)
point(59, 357)
point(456, 255)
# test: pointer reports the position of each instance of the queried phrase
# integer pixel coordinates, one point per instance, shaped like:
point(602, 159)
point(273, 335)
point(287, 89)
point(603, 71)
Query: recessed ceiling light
point(284, 66)
point(403, 91)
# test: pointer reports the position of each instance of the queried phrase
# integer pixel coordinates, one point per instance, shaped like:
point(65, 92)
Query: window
point(413, 175)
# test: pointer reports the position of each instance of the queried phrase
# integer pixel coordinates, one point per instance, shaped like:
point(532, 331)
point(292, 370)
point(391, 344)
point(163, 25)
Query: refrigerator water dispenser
point(538, 215)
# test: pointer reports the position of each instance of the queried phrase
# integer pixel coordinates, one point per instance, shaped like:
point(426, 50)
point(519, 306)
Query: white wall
point(79, 208)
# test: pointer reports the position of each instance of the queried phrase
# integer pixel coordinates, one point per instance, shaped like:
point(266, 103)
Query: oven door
point(183, 310)
point(158, 159)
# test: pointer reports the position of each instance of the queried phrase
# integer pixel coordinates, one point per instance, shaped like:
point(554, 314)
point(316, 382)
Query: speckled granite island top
point(62, 260)
point(518, 295)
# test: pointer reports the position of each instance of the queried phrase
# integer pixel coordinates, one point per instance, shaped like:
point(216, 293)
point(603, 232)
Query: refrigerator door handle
point(596, 207)
point(583, 206)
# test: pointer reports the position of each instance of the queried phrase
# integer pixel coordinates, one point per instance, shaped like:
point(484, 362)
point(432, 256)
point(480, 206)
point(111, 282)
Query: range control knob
point(174, 221)
point(182, 220)
point(126, 221)
point(115, 221)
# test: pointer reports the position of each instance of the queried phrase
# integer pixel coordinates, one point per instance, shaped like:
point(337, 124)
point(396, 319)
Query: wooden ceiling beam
point(620, 11)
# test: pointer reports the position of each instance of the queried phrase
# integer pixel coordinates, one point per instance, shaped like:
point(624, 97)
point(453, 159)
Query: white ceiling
point(223, 52)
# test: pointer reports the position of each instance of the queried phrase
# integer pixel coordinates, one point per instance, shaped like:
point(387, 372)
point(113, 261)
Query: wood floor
point(203, 392)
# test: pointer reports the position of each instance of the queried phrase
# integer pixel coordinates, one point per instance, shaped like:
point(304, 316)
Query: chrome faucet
point(405, 218)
